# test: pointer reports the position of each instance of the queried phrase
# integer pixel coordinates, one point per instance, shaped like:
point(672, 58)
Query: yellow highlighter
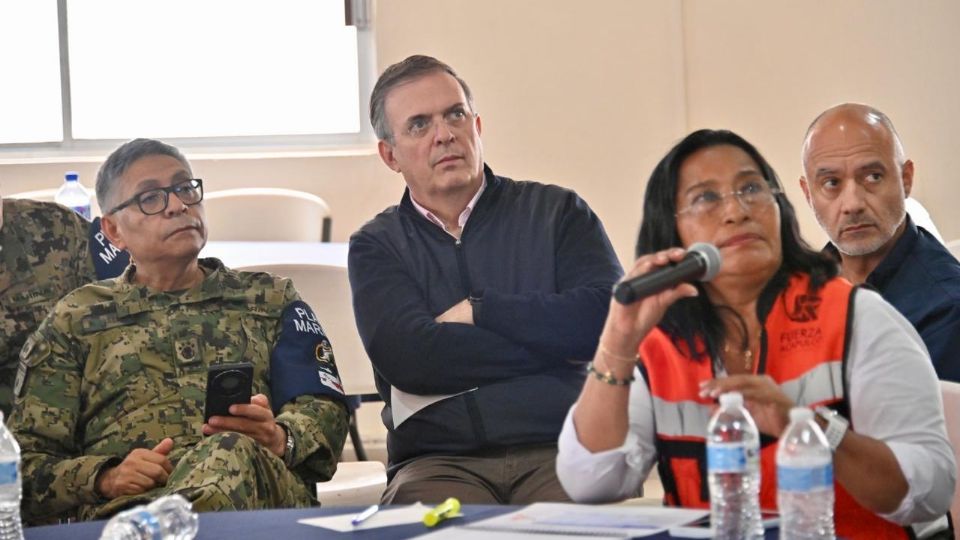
point(447, 509)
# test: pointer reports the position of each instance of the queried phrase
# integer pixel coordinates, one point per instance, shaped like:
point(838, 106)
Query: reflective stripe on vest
point(688, 419)
point(805, 343)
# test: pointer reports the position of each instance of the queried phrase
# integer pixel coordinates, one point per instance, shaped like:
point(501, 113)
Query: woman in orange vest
point(777, 325)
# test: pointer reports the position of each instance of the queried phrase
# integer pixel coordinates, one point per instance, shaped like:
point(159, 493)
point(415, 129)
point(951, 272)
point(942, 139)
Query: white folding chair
point(48, 195)
point(355, 483)
point(326, 289)
point(951, 408)
point(954, 247)
point(922, 217)
point(36, 195)
point(265, 214)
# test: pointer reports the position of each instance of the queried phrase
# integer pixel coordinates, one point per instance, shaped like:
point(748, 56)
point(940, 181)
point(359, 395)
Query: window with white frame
point(30, 66)
point(216, 72)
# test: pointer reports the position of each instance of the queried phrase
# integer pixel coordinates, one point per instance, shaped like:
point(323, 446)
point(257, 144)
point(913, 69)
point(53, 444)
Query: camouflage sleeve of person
point(56, 476)
point(84, 266)
point(306, 392)
point(92, 256)
point(75, 232)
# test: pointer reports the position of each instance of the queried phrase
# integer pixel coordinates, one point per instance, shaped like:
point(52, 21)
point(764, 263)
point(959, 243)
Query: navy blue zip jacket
point(921, 279)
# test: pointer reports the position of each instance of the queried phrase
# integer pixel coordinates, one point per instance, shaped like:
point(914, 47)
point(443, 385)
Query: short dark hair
point(411, 68)
point(696, 318)
point(120, 160)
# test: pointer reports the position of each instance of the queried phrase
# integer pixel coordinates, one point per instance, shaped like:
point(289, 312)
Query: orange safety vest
point(803, 348)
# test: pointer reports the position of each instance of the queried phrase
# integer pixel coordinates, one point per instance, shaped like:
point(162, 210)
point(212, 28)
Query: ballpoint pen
point(365, 515)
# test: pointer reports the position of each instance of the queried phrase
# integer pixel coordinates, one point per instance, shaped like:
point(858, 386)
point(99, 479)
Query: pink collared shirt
point(461, 221)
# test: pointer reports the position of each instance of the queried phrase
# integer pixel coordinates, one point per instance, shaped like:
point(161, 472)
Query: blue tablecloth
point(282, 525)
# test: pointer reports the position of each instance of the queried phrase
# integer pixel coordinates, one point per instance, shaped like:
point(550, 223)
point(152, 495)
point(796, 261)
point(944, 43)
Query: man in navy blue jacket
point(856, 178)
point(479, 300)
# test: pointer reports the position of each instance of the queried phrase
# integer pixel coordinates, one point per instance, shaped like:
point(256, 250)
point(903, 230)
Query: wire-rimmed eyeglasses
point(752, 195)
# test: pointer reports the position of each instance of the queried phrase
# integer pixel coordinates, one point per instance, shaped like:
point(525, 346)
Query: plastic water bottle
point(733, 468)
point(805, 479)
point(10, 528)
point(168, 518)
point(73, 195)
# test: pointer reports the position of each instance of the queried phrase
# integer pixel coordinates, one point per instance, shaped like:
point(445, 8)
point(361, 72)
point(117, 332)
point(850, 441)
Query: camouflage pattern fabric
point(216, 474)
point(43, 256)
point(116, 366)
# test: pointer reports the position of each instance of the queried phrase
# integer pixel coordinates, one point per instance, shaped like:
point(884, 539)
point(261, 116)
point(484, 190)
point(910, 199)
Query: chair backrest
point(922, 217)
point(954, 247)
point(37, 195)
point(951, 409)
point(48, 195)
point(355, 483)
point(266, 214)
point(327, 290)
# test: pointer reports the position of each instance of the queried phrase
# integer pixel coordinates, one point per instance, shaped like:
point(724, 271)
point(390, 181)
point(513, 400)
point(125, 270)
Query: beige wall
point(581, 94)
point(766, 69)
point(590, 94)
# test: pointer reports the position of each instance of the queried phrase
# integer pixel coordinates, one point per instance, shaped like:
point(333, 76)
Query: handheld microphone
point(701, 263)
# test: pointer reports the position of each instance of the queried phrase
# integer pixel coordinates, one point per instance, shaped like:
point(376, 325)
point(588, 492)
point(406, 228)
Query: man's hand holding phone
point(255, 420)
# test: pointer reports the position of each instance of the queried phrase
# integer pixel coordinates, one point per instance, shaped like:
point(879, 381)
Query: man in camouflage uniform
point(43, 256)
point(110, 391)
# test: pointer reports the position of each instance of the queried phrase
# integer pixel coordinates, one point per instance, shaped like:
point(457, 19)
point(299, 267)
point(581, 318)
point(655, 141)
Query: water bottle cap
point(731, 399)
point(72, 176)
point(801, 414)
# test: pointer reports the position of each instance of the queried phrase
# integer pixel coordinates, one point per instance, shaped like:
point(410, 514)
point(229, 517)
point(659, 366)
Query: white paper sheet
point(404, 405)
point(395, 515)
point(463, 533)
point(570, 519)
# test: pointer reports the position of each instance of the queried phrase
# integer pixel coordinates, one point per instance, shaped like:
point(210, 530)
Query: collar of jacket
point(494, 183)
point(131, 299)
point(890, 264)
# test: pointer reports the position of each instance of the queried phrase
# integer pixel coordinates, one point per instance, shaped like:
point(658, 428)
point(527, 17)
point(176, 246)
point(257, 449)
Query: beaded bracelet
point(608, 378)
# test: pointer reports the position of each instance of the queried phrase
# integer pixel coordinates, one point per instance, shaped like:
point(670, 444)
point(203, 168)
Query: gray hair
point(412, 68)
point(123, 157)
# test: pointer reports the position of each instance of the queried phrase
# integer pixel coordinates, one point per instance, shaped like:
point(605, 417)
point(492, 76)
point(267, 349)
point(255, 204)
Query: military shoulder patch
point(31, 354)
point(109, 261)
point(302, 362)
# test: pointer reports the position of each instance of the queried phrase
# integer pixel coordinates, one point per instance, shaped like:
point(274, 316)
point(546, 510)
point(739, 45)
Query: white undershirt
point(894, 397)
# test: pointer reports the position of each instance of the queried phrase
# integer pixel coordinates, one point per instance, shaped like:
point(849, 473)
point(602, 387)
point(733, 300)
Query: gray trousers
point(520, 475)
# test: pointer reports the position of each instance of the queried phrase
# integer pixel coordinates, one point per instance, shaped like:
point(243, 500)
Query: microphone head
point(710, 256)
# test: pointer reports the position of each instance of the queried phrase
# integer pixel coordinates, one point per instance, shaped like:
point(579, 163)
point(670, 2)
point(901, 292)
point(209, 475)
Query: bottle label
point(800, 479)
point(729, 457)
point(8, 473)
point(82, 210)
point(149, 523)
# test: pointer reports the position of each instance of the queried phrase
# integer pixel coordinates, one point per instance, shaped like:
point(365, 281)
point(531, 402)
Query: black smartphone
point(227, 384)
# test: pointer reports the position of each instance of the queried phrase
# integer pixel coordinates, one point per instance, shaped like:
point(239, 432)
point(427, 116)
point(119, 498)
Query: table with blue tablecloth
point(282, 525)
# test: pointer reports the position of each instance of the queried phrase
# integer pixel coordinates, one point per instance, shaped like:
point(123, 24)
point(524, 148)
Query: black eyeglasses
point(153, 201)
